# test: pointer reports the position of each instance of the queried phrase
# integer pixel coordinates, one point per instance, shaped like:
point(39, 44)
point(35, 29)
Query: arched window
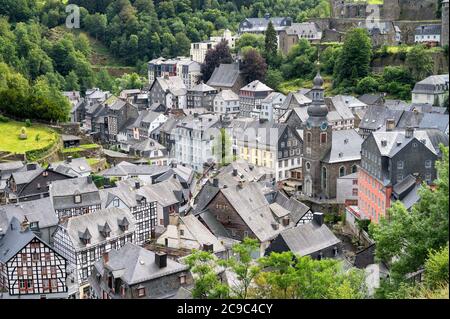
point(354, 168)
point(308, 137)
point(324, 177)
point(341, 171)
point(323, 138)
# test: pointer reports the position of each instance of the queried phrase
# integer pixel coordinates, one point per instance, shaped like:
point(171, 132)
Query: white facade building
point(226, 102)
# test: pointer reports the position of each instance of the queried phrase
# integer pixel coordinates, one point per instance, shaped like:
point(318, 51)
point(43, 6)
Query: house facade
point(250, 98)
point(29, 267)
point(82, 240)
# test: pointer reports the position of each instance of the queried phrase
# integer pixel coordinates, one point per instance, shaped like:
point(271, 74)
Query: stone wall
point(412, 10)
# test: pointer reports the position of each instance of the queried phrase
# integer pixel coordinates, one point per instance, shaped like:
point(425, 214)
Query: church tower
point(317, 137)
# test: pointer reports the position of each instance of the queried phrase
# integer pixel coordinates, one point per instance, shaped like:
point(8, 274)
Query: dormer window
point(77, 199)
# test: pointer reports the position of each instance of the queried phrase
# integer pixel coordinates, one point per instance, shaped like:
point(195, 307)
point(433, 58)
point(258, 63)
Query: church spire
point(318, 107)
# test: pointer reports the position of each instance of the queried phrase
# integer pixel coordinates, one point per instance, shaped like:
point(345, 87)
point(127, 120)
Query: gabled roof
point(430, 29)
point(252, 206)
point(75, 168)
point(9, 166)
point(166, 193)
point(397, 140)
point(225, 75)
point(228, 95)
point(135, 265)
point(40, 210)
point(87, 225)
point(432, 84)
point(256, 86)
point(297, 210)
point(346, 146)
point(308, 238)
point(202, 87)
point(24, 177)
point(14, 240)
point(376, 115)
point(304, 28)
point(201, 234)
point(172, 84)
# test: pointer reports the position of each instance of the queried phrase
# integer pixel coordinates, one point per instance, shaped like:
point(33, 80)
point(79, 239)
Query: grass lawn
point(294, 85)
point(10, 142)
point(93, 161)
point(80, 148)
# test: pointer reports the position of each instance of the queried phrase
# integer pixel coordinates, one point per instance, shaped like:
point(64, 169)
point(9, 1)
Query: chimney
point(235, 172)
point(24, 225)
point(161, 259)
point(89, 179)
point(285, 221)
point(390, 125)
point(175, 176)
point(275, 225)
point(195, 115)
point(208, 247)
point(216, 182)
point(409, 132)
point(105, 257)
point(137, 185)
point(174, 165)
point(69, 159)
point(240, 184)
point(251, 167)
point(383, 143)
point(31, 167)
point(318, 218)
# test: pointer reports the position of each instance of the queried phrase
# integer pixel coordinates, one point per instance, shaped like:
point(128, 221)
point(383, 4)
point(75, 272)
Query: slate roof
point(77, 225)
point(201, 233)
point(432, 84)
point(40, 210)
point(8, 166)
point(256, 86)
point(14, 240)
point(213, 224)
point(296, 209)
point(403, 187)
point(62, 192)
point(75, 168)
point(370, 99)
point(304, 28)
point(147, 145)
point(204, 197)
point(202, 87)
point(252, 206)
point(376, 115)
point(260, 24)
point(25, 177)
point(346, 146)
point(435, 120)
point(228, 95)
point(126, 169)
point(67, 137)
point(308, 238)
point(225, 75)
point(166, 193)
point(341, 105)
point(134, 265)
point(173, 84)
point(431, 29)
point(396, 140)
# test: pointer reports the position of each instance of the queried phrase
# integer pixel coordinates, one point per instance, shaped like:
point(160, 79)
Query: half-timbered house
point(138, 202)
point(83, 239)
point(29, 267)
point(75, 197)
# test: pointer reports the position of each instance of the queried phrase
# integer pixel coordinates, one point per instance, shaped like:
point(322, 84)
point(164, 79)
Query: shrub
point(27, 123)
point(4, 119)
